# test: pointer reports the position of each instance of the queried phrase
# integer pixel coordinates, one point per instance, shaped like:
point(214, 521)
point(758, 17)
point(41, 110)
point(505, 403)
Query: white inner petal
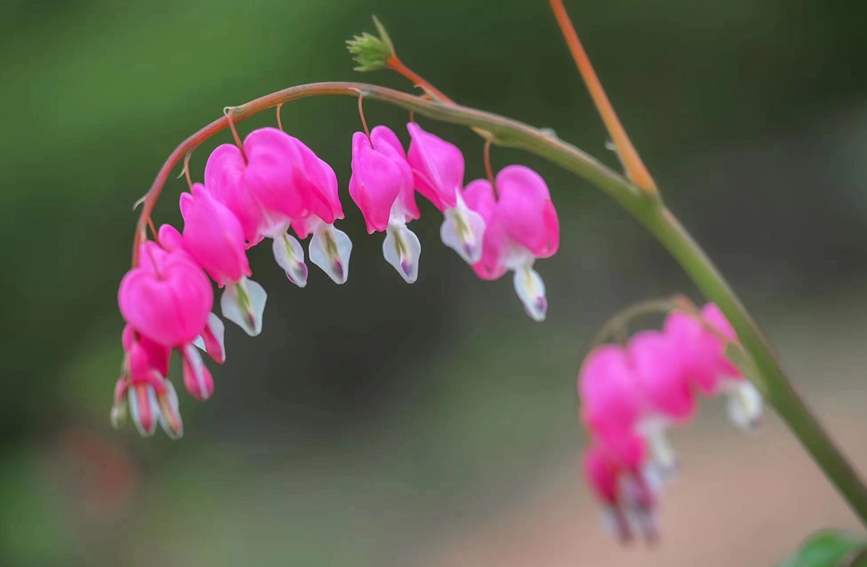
point(744, 404)
point(401, 248)
point(243, 303)
point(531, 291)
point(290, 256)
point(463, 231)
point(330, 249)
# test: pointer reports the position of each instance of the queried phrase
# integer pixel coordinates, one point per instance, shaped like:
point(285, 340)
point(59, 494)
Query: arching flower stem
point(648, 208)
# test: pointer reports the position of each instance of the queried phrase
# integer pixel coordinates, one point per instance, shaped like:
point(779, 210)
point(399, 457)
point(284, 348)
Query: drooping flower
point(668, 398)
point(438, 171)
point(640, 390)
point(701, 345)
point(214, 238)
point(382, 187)
point(615, 473)
point(168, 299)
point(143, 390)
point(521, 226)
point(284, 173)
point(262, 194)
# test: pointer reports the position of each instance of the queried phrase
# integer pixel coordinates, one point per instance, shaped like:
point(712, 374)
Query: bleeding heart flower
point(438, 170)
point(167, 297)
point(382, 187)
point(521, 225)
point(143, 390)
point(615, 474)
point(701, 344)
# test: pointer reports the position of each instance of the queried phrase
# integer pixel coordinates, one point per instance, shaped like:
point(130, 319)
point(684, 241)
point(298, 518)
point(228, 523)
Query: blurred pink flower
point(701, 344)
point(615, 474)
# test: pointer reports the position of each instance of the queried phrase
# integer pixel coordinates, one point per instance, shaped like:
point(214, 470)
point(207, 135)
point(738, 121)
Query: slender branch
point(397, 65)
point(506, 131)
point(632, 163)
point(780, 392)
point(647, 208)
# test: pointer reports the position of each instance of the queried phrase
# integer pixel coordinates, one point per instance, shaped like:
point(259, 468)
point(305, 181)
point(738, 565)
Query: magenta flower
point(668, 399)
point(701, 345)
point(438, 170)
point(214, 238)
point(292, 183)
point(628, 497)
point(640, 390)
point(143, 390)
point(521, 225)
point(382, 187)
point(248, 190)
point(167, 297)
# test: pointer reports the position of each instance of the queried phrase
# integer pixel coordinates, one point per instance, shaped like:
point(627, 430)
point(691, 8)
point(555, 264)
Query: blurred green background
point(434, 424)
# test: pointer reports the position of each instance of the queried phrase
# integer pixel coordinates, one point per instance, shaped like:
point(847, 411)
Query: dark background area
point(435, 424)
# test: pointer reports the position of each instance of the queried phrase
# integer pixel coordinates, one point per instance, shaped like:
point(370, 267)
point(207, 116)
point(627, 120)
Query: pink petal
point(526, 211)
point(438, 167)
point(169, 301)
point(213, 236)
point(611, 402)
point(225, 179)
point(661, 375)
point(375, 183)
point(386, 142)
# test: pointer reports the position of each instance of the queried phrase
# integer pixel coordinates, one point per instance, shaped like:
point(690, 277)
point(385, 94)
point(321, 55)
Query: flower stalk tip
point(369, 51)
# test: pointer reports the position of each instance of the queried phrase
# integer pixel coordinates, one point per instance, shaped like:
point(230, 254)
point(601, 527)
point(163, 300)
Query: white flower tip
point(243, 303)
point(401, 248)
point(170, 415)
point(290, 256)
point(463, 231)
point(143, 409)
point(330, 249)
point(744, 405)
point(531, 291)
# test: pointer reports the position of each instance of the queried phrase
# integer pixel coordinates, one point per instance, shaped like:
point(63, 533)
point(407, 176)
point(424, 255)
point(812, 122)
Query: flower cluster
point(631, 394)
point(273, 183)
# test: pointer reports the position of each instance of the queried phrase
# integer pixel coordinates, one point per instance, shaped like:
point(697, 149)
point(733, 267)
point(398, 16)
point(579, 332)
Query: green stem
point(775, 386)
point(648, 209)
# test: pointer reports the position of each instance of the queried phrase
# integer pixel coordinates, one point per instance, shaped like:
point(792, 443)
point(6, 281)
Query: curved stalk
point(647, 208)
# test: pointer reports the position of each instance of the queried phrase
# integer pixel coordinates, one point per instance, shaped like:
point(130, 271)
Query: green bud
point(371, 52)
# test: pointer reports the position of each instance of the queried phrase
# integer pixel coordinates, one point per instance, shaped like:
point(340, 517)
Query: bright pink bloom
point(520, 226)
point(280, 182)
point(382, 187)
point(438, 169)
point(143, 389)
point(526, 212)
point(611, 403)
point(636, 391)
point(629, 499)
point(658, 368)
point(702, 345)
point(225, 177)
point(167, 297)
point(382, 180)
point(213, 236)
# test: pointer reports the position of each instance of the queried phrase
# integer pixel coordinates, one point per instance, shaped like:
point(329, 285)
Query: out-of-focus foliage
point(829, 549)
